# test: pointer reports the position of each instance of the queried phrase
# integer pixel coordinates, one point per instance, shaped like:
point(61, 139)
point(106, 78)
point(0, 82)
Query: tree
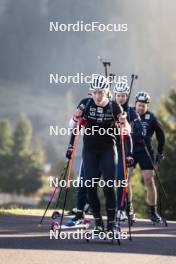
point(20, 164)
point(5, 137)
point(167, 115)
point(6, 143)
point(22, 137)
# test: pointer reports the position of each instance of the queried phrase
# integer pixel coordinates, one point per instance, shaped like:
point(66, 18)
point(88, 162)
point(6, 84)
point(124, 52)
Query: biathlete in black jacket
point(122, 91)
point(150, 125)
point(99, 147)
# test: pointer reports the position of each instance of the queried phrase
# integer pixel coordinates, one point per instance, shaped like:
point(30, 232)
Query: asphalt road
point(22, 241)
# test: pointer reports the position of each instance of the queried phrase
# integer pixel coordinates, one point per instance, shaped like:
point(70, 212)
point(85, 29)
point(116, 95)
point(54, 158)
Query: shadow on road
point(21, 232)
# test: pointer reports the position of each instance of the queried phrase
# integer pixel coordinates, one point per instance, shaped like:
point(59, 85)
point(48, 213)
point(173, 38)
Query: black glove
point(69, 153)
point(160, 157)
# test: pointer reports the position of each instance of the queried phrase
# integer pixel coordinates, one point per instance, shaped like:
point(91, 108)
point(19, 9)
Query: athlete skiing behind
point(150, 125)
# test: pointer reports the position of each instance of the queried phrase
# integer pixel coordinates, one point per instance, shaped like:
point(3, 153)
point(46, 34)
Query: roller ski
point(56, 214)
point(81, 224)
point(79, 218)
point(112, 233)
point(155, 218)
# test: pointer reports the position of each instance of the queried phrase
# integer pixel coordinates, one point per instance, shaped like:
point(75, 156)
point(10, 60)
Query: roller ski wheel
point(55, 226)
point(113, 239)
point(55, 215)
point(165, 222)
point(88, 237)
point(113, 232)
point(118, 231)
point(99, 228)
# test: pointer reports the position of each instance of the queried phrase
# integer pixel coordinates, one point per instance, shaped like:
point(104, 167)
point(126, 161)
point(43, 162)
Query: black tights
point(94, 161)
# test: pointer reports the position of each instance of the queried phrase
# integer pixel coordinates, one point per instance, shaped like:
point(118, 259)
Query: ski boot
point(154, 216)
point(78, 219)
point(121, 216)
point(99, 226)
point(72, 212)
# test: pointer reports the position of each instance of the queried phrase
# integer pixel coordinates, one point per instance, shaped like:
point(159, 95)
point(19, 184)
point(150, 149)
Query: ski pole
point(53, 193)
point(60, 192)
point(56, 213)
point(106, 64)
point(69, 176)
point(125, 192)
point(133, 77)
point(159, 199)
